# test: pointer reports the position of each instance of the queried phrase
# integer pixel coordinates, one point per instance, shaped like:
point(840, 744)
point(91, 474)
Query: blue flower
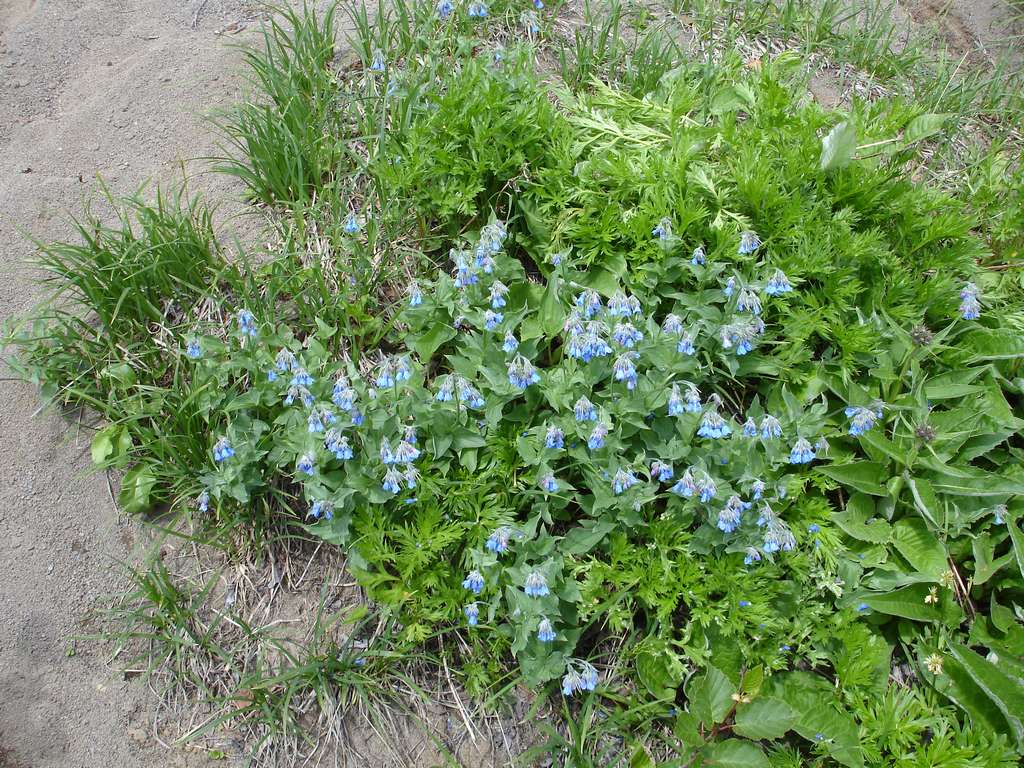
point(729, 517)
point(246, 322)
point(707, 489)
point(749, 428)
point(447, 389)
point(529, 20)
point(536, 585)
point(623, 481)
point(699, 258)
point(385, 374)
point(748, 302)
point(554, 438)
point(403, 369)
point(663, 231)
point(999, 514)
point(970, 305)
point(357, 417)
point(222, 450)
point(444, 8)
point(675, 402)
point(305, 464)
point(474, 582)
point(621, 305)
point(469, 394)
point(757, 490)
point(301, 378)
point(415, 294)
point(661, 471)
point(624, 370)
point(549, 483)
point(672, 325)
point(751, 556)
point(324, 509)
point(203, 501)
point(584, 410)
point(589, 302)
point(472, 614)
point(685, 345)
point(693, 404)
point(499, 540)
point(406, 453)
point(351, 225)
point(545, 632)
point(597, 436)
point(778, 283)
point(411, 475)
point(580, 676)
point(193, 350)
point(744, 603)
point(714, 426)
point(730, 286)
point(477, 9)
point(749, 242)
point(777, 536)
point(314, 422)
point(393, 480)
point(377, 65)
point(285, 361)
point(862, 419)
point(521, 373)
point(770, 428)
point(626, 335)
point(344, 396)
point(492, 319)
point(498, 292)
point(685, 486)
point(802, 452)
point(538, 4)
point(510, 344)
point(338, 444)
point(863, 607)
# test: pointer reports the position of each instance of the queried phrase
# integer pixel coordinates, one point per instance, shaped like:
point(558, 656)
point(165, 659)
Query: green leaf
point(585, 537)
point(653, 670)
point(838, 146)
point(919, 546)
point(551, 313)
point(907, 602)
point(1018, 543)
point(427, 343)
point(864, 476)
point(923, 126)
point(1005, 692)
point(958, 686)
point(734, 753)
point(854, 520)
point(993, 344)
point(710, 696)
point(765, 717)
point(962, 482)
point(137, 489)
point(102, 446)
point(925, 500)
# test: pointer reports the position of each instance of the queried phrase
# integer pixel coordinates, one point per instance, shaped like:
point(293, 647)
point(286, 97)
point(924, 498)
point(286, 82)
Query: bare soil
point(118, 88)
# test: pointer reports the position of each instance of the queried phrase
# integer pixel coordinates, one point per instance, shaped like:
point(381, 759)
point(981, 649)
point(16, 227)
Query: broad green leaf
point(858, 520)
point(959, 687)
point(818, 720)
point(653, 670)
point(551, 314)
point(986, 564)
point(727, 100)
point(923, 126)
point(976, 483)
point(734, 753)
point(838, 146)
point(993, 344)
point(586, 536)
point(102, 445)
point(137, 489)
point(710, 696)
point(864, 476)
point(925, 500)
point(919, 546)
point(955, 384)
point(1005, 692)
point(427, 343)
point(765, 717)
point(907, 602)
point(1018, 543)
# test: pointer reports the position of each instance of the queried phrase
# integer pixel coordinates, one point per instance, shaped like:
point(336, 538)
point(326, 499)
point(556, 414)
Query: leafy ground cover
point(628, 377)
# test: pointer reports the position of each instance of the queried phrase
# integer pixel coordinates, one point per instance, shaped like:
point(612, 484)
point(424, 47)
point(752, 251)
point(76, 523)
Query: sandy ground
point(87, 87)
point(117, 88)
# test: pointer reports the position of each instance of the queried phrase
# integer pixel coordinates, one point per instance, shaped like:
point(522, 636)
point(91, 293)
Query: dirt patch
point(89, 87)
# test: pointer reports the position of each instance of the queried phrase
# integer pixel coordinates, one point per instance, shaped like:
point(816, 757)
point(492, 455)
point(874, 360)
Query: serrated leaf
point(838, 146)
point(864, 476)
point(1005, 692)
point(765, 717)
point(734, 753)
point(919, 546)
